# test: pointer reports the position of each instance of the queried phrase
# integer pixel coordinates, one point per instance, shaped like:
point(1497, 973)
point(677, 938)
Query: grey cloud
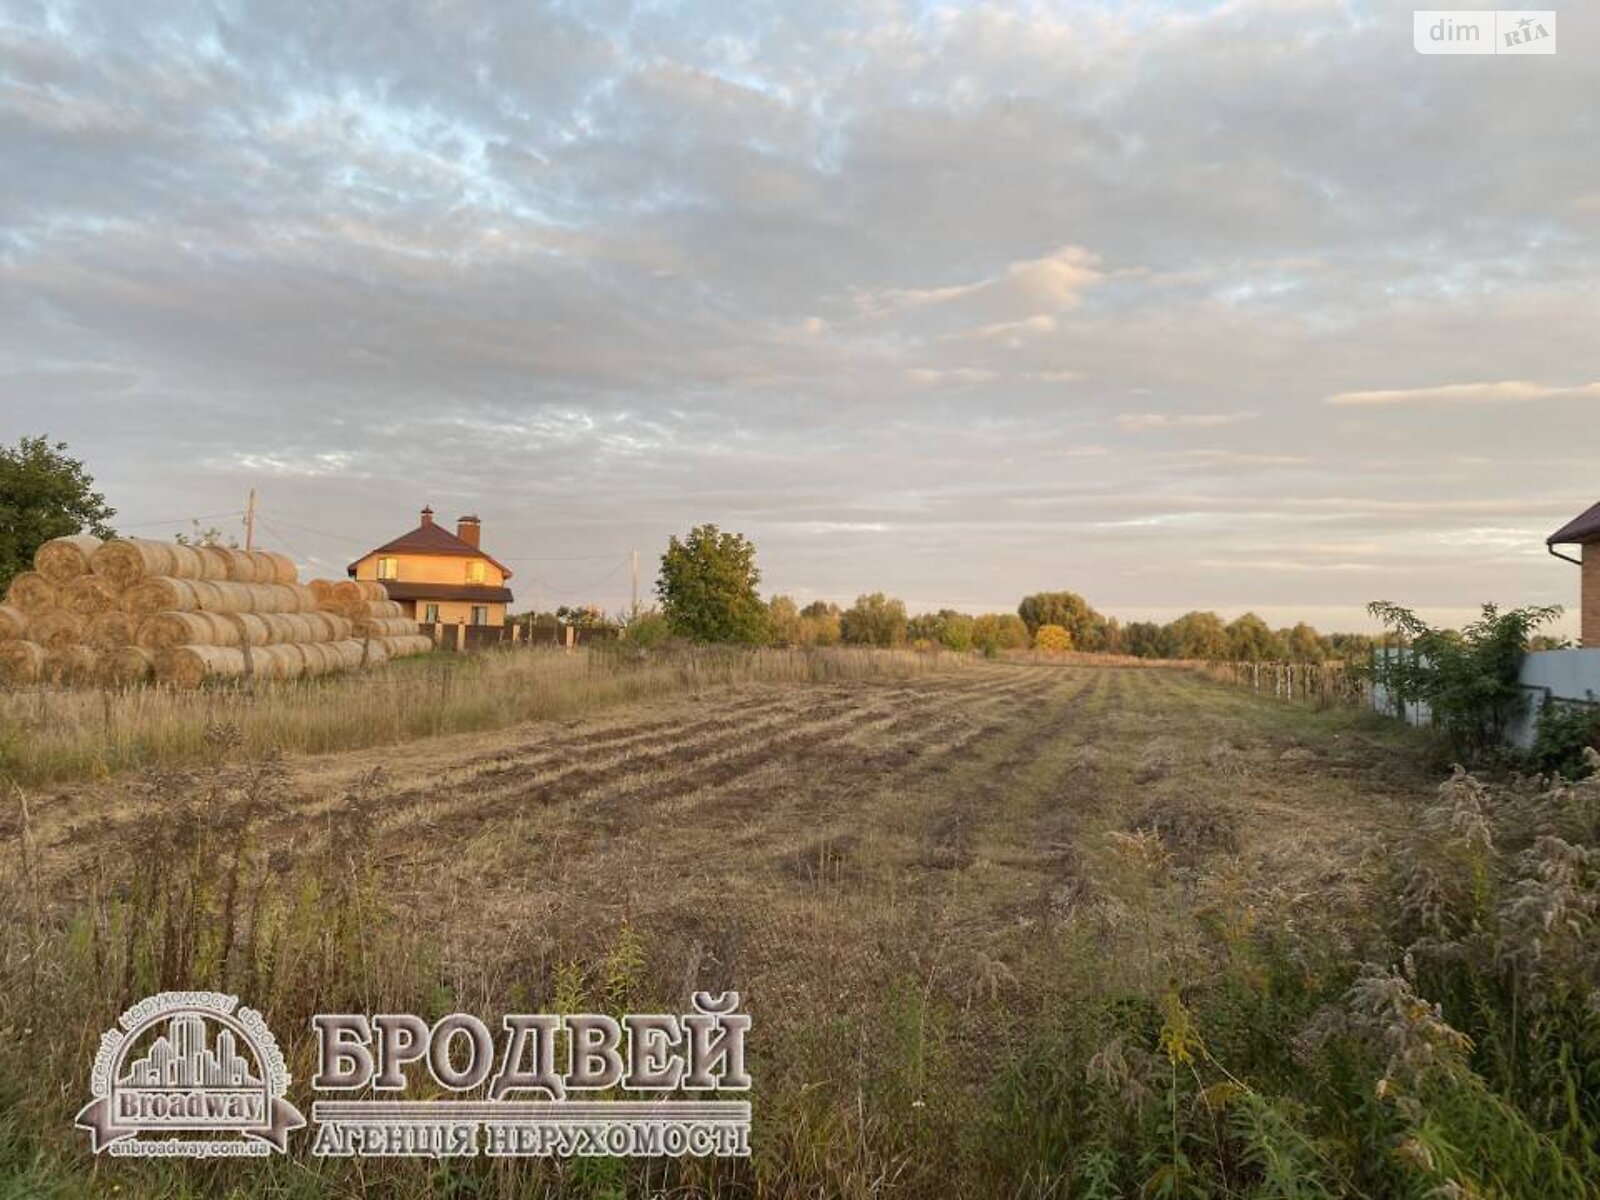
point(953, 303)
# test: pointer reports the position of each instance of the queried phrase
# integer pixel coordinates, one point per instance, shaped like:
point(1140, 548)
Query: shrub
point(1564, 732)
point(1468, 679)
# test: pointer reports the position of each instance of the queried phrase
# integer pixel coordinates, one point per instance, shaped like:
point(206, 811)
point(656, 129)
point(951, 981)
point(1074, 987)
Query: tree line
point(709, 584)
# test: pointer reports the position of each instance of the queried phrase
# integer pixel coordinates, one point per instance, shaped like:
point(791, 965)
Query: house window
point(430, 614)
point(480, 614)
point(388, 568)
point(475, 571)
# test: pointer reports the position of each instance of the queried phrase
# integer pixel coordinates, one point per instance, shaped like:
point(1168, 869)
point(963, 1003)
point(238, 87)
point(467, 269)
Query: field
point(1003, 928)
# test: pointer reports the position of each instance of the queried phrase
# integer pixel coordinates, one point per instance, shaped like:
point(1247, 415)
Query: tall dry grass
point(51, 735)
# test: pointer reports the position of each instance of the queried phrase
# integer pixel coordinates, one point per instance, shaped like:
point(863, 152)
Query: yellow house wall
point(444, 569)
point(431, 568)
point(454, 612)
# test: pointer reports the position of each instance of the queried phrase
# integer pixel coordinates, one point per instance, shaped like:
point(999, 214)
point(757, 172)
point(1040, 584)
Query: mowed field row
point(755, 803)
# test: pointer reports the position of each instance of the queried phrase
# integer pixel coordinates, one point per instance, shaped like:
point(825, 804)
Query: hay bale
point(322, 589)
point(13, 623)
point(197, 562)
point(346, 654)
point(64, 558)
point(282, 660)
point(125, 561)
point(403, 647)
point(110, 631)
point(126, 666)
point(381, 627)
point(228, 565)
point(56, 630)
point(159, 593)
point(160, 630)
point(384, 609)
point(88, 595)
point(32, 593)
point(335, 627)
point(279, 568)
point(68, 664)
point(190, 666)
point(163, 594)
point(359, 589)
point(254, 629)
point(20, 663)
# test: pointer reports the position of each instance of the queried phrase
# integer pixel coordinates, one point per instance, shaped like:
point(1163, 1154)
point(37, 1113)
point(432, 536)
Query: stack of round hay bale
point(133, 609)
point(378, 622)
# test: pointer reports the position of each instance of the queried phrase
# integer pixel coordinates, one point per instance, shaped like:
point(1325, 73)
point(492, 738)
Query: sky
point(1234, 305)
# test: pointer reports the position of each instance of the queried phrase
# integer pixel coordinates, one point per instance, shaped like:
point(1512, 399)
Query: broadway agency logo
point(182, 1064)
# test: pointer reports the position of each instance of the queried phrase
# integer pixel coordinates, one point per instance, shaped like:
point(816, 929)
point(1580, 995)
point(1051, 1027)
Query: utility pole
point(250, 522)
point(635, 585)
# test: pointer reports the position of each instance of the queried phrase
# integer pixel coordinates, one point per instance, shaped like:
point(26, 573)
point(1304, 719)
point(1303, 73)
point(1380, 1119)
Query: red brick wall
point(1591, 595)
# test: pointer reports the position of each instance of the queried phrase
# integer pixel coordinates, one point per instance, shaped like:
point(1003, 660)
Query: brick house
point(1584, 531)
point(440, 577)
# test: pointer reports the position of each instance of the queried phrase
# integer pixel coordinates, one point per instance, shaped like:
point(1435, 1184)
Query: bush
point(647, 630)
point(1564, 732)
point(1467, 678)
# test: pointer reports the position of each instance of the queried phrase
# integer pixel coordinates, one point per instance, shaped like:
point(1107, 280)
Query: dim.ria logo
point(189, 1074)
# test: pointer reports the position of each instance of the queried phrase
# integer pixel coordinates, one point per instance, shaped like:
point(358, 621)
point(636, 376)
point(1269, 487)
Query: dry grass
point(60, 734)
point(905, 869)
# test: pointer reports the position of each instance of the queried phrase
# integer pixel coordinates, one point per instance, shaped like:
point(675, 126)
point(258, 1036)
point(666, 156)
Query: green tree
point(1305, 644)
point(994, 632)
point(1195, 635)
point(1067, 609)
point(44, 494)
point(874, 620)
point(1142, 639)
point(1250, 639)
point(1467, 678)
point(708, 586)
point(955, 630)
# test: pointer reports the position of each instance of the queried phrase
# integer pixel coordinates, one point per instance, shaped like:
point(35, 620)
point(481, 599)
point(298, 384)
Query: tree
point(1195, 635)
point(874, 620)
point(1468, 679)
point(1067, 609)
point(44, 494)
point(1305, 644)
point(955, 630)
point(1053, 639)
point(1142, 639)
point(708, 585)
point(783, 621)
point(1250, 639)
point(819, 624)
point(994, 632)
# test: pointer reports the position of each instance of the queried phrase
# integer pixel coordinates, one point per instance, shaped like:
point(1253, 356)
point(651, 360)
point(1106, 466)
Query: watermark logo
point(1477, 31)
point(549, 1091)
point(193, 1075)
point(188, 1063)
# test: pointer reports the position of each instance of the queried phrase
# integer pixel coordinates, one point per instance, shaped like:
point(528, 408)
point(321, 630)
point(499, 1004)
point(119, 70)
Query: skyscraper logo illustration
point(182, 1064)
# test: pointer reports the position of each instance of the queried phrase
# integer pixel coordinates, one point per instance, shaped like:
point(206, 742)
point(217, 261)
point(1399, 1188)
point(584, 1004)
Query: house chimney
point(467, 529)
point(427, 516)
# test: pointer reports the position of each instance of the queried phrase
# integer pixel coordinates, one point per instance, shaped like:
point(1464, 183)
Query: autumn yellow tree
point(1053, 639)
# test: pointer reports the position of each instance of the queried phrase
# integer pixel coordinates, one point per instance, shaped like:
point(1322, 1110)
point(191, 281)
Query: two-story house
point(439, 576)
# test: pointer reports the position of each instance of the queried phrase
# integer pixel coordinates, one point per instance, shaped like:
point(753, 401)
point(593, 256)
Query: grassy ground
point(1004, 930)
point(51, 734)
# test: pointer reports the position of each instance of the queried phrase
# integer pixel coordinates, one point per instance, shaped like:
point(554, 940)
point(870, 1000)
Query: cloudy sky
point(1178, 304)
